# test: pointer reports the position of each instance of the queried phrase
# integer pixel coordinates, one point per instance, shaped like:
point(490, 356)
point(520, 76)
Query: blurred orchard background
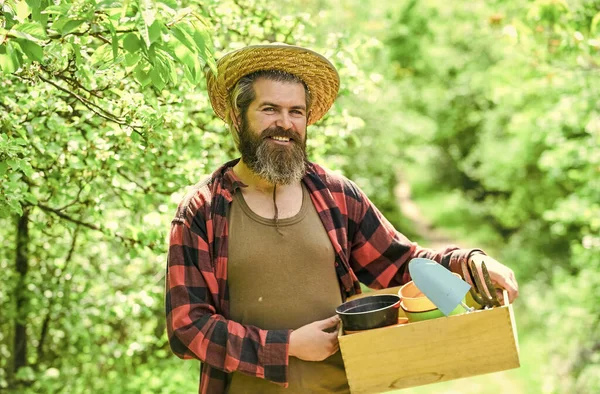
point(489, 110)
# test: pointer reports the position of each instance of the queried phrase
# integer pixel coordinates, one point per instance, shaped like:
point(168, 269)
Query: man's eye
point(269, 109)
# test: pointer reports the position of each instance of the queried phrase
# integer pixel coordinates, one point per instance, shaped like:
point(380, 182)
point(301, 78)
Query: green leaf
point(59, 23)
point(56, 9)
point(200, 40)
point(115, 47)
point(124, 8)
point(148, 18)
point(183, 37)
point(141, 76)
point(114, 39)
point(34, 3)
point(23, 134)
point(25, 36)
point(27, 169)
point(36, 13)
point(9, 60)
point(76, 49)
point(156, 78)
point(32, 50)
point(151, 52)
point(198, 37)
point(101, 55)
point(170, 3)
point(162, 67)
point(148, 12)
point(132, 43)
point(143, 29)
point(131, 59)
point(154, 31)
point(169, 69)
point(70, 26)
point(16, 207)
point(189, 60)
point(14, 177)
point(595, 22)
point(32, 28)
point(29, 197)
point(23, 10)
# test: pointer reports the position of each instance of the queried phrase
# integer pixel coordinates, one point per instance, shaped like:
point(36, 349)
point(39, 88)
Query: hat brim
point(316, 71)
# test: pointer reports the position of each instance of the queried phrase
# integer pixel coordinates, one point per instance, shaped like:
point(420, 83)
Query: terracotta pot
point(413, 299)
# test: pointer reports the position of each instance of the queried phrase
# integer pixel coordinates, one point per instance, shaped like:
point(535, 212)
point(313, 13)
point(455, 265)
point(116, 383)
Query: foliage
point(104, 123)
point(375, 126)
point(512, 92)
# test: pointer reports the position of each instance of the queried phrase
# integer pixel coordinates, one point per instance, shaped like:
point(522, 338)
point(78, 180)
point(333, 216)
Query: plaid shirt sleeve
point(195, 328)
point(380, 254)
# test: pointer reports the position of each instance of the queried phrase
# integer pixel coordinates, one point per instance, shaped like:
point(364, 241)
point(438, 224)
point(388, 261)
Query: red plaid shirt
point(367, 249)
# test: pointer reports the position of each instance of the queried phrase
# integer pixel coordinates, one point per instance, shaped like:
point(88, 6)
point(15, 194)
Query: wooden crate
point(431, 351)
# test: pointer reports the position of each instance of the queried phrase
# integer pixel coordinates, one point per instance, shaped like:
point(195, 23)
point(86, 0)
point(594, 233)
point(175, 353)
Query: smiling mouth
point(281, 139)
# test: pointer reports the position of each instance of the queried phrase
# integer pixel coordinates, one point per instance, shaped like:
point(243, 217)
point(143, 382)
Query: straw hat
point(316, 71)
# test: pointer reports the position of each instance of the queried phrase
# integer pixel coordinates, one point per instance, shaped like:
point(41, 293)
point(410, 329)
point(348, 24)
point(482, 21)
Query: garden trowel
point(438, 284)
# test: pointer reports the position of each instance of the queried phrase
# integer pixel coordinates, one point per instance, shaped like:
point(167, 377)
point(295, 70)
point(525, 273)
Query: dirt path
point(433, 238)
point(494, 383)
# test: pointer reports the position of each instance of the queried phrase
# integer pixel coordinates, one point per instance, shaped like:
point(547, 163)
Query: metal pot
point(369, 312)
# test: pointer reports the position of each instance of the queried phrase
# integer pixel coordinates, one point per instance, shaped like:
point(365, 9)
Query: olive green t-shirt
point(283, 280)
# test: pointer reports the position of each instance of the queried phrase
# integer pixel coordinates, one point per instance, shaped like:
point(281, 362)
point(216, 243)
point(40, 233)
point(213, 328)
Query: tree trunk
point(22, 265)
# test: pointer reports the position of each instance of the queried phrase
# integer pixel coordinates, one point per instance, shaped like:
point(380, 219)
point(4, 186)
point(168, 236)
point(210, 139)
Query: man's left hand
point(501, 275)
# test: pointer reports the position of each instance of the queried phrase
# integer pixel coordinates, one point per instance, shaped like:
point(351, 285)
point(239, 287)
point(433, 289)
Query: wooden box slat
point(431, 351)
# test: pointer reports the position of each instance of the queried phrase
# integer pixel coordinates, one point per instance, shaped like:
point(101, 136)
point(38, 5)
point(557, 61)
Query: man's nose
point(284, 121)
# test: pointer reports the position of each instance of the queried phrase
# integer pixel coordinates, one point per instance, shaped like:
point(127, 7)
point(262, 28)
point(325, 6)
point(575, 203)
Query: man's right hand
point(311, 343)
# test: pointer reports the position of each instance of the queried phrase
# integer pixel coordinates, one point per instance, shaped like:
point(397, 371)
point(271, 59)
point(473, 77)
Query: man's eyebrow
point(269, 104)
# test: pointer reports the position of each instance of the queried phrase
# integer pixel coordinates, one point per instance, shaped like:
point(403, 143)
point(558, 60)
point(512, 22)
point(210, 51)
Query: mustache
point(280, 132)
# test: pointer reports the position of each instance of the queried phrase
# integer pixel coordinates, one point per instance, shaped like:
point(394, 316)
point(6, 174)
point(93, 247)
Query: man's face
point(273, 132)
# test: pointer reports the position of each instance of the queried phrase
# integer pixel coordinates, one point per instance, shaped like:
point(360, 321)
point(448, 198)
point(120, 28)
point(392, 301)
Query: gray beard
point(278, 165)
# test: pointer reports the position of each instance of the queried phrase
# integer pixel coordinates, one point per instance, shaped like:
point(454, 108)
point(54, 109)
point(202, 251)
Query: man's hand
point(311, 343)
point(501, 275)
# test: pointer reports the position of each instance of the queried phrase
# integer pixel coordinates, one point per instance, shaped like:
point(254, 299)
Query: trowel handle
point(467, 308)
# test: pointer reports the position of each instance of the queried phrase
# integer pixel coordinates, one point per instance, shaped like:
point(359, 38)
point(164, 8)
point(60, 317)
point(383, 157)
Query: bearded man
point(263, 251)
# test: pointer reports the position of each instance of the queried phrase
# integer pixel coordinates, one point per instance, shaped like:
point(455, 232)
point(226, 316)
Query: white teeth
point(283, 139)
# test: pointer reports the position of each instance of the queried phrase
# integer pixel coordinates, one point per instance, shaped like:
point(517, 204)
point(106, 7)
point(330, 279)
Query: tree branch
point(101, 38)
point(64, 216)
point(81, 184)
point(289, 33)
point(89, 105)
point(144, 188)
point(147, 189)
point(106, 115)
point(83, 33)
point(73, 82)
